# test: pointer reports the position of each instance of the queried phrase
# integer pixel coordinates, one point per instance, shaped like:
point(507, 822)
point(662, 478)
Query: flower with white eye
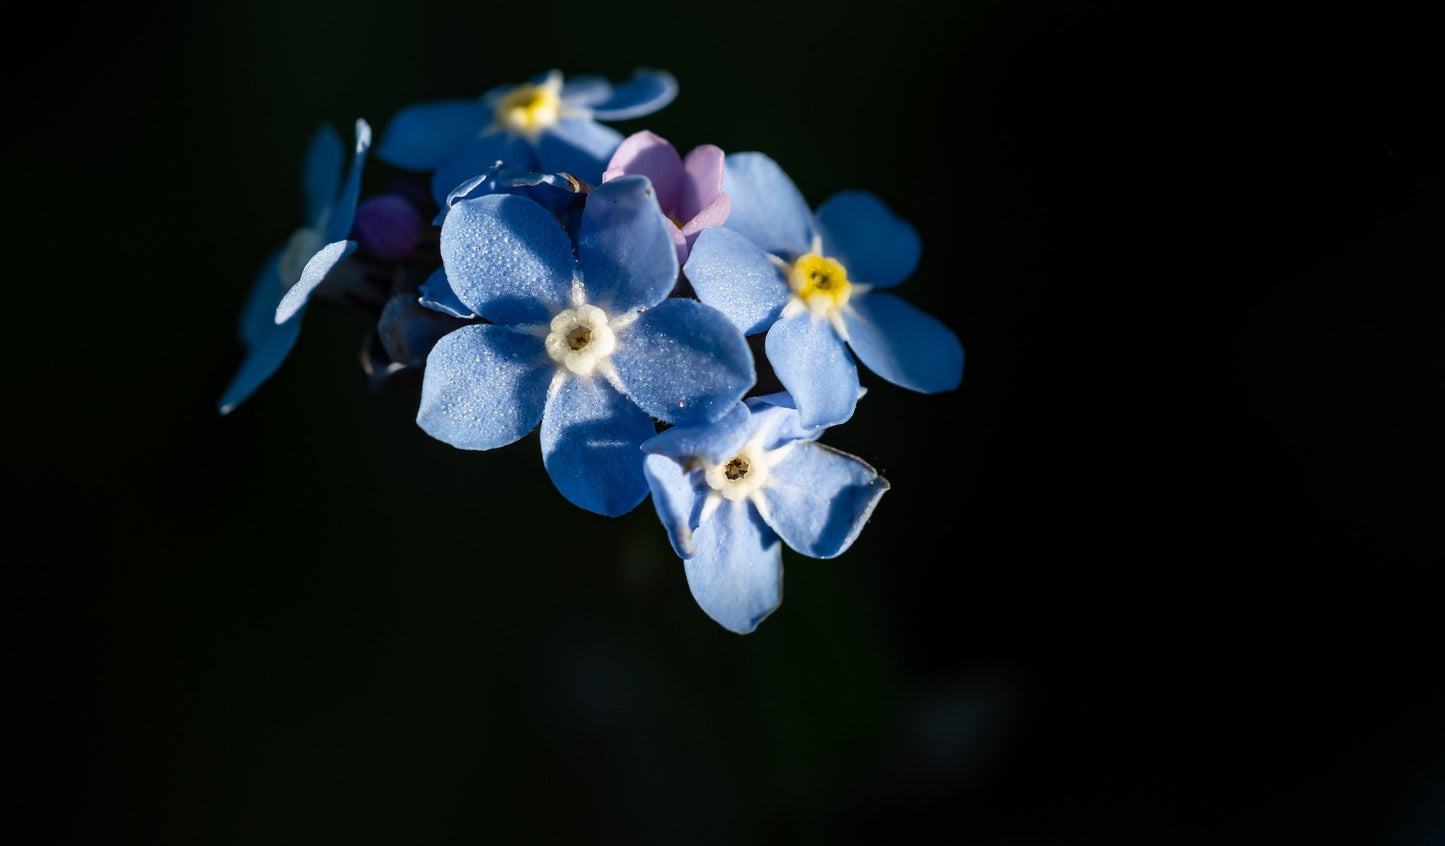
point(585, 342)
point(729, 492)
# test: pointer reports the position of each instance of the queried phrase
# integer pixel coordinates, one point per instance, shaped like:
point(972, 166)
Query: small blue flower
point(729, 492)
point(271, 316)
point(812, 281)
point(545, 124)
point(586, 343)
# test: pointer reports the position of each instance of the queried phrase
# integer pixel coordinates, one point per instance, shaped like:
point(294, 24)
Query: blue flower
point(729, 492)
point(585, 343)
point(271, 316)
point(545, 124)
point(813, 281)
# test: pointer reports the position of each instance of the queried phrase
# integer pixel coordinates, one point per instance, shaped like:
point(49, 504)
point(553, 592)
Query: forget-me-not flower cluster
point(537, 270)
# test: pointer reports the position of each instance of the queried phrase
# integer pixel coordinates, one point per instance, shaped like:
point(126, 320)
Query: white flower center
point(580, 339)
point(741, 475)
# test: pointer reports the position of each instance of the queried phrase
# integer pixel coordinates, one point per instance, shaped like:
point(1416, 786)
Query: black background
point(1164, 569)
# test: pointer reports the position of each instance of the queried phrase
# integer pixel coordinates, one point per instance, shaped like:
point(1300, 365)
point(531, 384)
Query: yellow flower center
point(528, 109)
point(820, 282)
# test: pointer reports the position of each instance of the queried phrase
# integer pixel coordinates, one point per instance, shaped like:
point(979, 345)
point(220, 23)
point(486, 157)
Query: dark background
point(1164, 569)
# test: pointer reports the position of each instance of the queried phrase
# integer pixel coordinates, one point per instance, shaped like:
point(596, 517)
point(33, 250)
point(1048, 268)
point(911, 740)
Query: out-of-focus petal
point(262, 359)
point(903, 344)
point(814, 366)
point(641, 95)
point(258, 313)
point(423, 136)
point(343, 212)
point(818, 498)
point(590, 440)
point(507, 259)
point(579, 146)
point(624, 247)
point(736, 575)
point(876, 246)
point(684, 363)
point(730, 273)
point(766, 206)
point(585, 91)
point(484, 387)
point(321, 172)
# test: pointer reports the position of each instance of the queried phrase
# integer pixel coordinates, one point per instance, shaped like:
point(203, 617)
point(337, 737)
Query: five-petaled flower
point(587, 344)
point(545, 124)
point(813, 281)
point(271, 316)
point(727, 493)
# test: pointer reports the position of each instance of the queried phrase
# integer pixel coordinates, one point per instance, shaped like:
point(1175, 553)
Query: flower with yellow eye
point(727, 493)
point(547, 123)
point(814, 282)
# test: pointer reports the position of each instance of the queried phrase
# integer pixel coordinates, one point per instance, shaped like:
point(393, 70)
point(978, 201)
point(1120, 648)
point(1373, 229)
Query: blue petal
point(343, 211)
point(484, 387)
point(674, 494)
point(734, 276)
point(903, 344)
point(321, 172)
point(476, 157)
point(625, 248)
point(312, 275)
point(437, 295)
point(774, 425)
point(262, 359)
point(408, 332)
point(507, 259)
point(423, 136)
point(590, 440)
point(579, 146)
point(875, 246)
point(684, 363)
point(258, 313)
point(713, 443)
point(641, 95)
point(737, 574)
point(814, 366)
point(817, 499)
point(585, 91)
point(766, 206)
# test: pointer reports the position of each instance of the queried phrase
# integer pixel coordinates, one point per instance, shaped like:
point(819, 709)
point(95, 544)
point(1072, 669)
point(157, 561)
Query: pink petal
point(703, 180)
point(653, 157)
point(716, 214)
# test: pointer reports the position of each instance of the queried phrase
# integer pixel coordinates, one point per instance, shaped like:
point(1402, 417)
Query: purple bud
point(387, 227)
